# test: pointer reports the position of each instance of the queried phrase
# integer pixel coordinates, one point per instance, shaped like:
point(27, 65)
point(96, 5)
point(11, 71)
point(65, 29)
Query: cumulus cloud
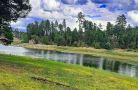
point(72, 11)
point(50, 4)
point(136, 1)
point(68, 9)
point(133, 15)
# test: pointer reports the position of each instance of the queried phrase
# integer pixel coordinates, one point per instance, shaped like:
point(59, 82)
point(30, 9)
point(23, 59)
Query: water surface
point(129, 69)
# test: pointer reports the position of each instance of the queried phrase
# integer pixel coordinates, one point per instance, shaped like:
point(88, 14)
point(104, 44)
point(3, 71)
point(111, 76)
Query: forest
point(121, 35)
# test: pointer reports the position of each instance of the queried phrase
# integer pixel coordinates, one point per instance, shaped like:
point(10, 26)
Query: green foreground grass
point(16, 73)
point(119, 54)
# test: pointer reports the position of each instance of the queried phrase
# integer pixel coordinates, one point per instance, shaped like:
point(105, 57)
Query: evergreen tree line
point(89, 34)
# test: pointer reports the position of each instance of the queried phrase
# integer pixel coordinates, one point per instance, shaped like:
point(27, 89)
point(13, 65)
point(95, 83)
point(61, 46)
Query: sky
point(98, 11)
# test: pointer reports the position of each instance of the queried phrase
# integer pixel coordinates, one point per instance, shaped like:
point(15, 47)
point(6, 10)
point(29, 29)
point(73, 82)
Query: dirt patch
point(49, 81)
point(10, 68)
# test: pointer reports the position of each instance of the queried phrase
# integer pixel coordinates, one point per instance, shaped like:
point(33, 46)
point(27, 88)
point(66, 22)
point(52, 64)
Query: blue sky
point(98, 11)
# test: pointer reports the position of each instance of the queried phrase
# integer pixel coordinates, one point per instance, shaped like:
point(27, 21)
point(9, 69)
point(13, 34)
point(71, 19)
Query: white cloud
point(35, 4)
point(38, 10)
point(136, 1)
point(51, 4)
point(133, 15)
point(102, 22)
point(54, 10)
point(71, 11)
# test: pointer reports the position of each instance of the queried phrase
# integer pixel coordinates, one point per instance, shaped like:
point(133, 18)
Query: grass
point(16, 74)
point(124, 55)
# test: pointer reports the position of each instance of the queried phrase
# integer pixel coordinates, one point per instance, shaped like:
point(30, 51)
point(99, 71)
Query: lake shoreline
point(126, 56)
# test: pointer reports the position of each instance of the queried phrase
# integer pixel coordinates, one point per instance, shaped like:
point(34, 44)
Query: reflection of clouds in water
point(13, 50)
point(128, 70)
point(68, 58)
point(85, 60)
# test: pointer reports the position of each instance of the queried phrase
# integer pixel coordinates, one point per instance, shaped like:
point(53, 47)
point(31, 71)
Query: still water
point(129, 69)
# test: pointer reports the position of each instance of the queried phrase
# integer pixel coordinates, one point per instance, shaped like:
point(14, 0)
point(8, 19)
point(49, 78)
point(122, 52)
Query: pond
point(129, 69)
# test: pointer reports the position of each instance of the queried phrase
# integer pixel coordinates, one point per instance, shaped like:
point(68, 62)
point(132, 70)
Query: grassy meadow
point(18, 73)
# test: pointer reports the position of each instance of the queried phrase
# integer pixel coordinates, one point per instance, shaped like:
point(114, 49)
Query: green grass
point(118, 54)
point(16, 73)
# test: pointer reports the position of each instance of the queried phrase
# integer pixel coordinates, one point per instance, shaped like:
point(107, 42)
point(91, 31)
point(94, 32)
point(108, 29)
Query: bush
point(25, 38)
point(96, 45)
point(44, 40)
point(35, 38)
point(108, 46)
